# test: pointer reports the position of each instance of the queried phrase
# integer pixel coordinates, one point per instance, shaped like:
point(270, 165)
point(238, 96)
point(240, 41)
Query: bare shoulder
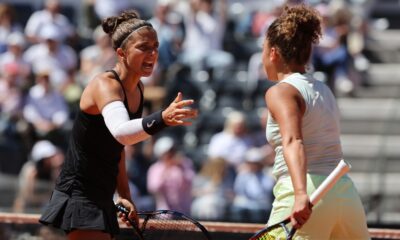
point(105, 82)
point(102, 89)
point(282, 91)
point(282, 96)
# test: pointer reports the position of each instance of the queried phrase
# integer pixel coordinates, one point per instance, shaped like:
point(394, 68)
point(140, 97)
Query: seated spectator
point(11, 97)
point(14, 130)
point(96, 58)
point(170, 178)
point(213, 190)
point(107, 8)
point(331, 55)
point(37, 176)
point(46, 110)
point(13, 56)
point(53, 54)
point(170, 31)
point(233, 142)
point(49, 15)
point(137, 166)
point(253, 190)
point(8, 25)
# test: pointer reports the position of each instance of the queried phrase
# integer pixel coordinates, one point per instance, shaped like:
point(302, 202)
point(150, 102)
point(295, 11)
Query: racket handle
point(134, 224)
point(122, 209)
point(341, 169)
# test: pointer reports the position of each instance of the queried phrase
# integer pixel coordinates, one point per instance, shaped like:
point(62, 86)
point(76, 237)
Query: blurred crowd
point(210, 50)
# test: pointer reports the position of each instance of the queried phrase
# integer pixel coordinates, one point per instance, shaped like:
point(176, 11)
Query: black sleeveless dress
point(83, 195)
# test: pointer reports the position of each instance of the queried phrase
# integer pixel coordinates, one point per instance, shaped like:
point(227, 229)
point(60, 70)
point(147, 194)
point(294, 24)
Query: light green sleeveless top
point(320, 128)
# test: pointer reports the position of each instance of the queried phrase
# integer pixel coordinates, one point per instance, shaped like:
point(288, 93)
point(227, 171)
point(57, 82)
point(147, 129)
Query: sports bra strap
point(140, 110)
point(120, 82)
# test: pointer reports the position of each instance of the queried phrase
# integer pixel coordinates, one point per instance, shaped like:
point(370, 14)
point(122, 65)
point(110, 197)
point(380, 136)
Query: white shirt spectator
point(40, 18)
point(47, 106)
point(13, 56)
point(228, 146)
point(107, 8)
point(233, 142)
point(52, 54)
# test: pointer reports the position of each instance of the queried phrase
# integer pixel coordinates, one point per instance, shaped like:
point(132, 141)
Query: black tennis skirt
point(72, 212)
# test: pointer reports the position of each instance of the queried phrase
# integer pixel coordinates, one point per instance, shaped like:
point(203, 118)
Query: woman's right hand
point(301, 211)
point(177, 113)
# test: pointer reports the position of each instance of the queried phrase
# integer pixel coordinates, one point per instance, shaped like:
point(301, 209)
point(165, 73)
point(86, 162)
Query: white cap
point(43, 149)
point(254, 155)
point(163, 145)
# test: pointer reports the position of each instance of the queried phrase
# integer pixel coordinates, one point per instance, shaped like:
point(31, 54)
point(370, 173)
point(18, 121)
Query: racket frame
point(148, 214)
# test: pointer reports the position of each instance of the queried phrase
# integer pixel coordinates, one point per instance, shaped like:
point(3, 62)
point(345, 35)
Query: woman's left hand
point(179, 112)
point(132, 211)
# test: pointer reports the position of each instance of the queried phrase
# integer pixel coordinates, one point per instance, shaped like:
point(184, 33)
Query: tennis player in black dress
point(109, 118)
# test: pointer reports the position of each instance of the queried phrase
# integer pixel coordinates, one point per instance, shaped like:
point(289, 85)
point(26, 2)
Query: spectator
point(170, 178)
point(137, 166)
point(96, 58)
point(253, 189)
point(52, 54)
point(7, 25)
point(15, 134)
point(49, 15)
point(233, 142)
point(11, 97)
point(38, 175)
point(46, 110)
point(213, 190)
point(330, 55)
point(15, 48)
point(107, 8)
point(205, 29)
point(169, 26)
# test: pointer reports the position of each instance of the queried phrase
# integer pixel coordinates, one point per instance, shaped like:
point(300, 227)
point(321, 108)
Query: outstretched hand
point(177, 112)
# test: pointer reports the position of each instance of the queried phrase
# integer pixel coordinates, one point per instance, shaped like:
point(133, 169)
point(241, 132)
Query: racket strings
point(266, 236)
point(165, 226)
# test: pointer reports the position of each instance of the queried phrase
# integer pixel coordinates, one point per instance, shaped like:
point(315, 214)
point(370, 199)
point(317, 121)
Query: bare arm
point(124, 192)
point(26, 184)
point(287, 107)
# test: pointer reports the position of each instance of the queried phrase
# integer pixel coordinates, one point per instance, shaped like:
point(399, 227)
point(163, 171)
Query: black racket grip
point(135, 225)
point(122, 209)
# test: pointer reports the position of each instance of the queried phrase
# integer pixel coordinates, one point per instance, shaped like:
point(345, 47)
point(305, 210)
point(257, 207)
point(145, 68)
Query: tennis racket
point(326, 185)
point(165, 225)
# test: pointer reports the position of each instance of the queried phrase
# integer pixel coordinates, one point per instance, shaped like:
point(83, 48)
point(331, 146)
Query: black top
point(91, 164)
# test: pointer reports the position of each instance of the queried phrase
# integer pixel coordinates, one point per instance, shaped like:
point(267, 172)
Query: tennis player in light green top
point(303, 127)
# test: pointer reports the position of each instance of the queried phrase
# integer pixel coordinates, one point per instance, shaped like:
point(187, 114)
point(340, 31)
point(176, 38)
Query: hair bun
point(111, 23)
